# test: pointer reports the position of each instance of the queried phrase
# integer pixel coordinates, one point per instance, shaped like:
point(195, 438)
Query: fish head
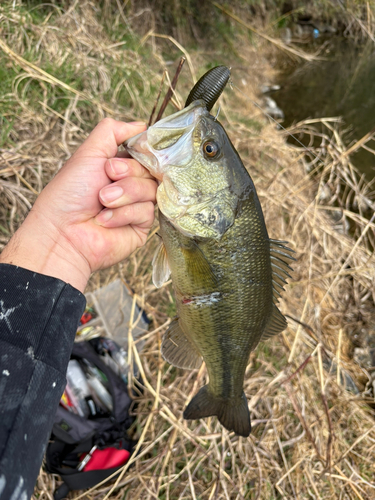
point(201, 177)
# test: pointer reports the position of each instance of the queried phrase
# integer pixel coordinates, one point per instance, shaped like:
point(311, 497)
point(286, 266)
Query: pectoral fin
point(177, 349)
point(198, 266)
point(160, 266)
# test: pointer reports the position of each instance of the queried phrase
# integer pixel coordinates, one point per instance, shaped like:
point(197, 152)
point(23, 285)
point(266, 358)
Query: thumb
point(107, 136)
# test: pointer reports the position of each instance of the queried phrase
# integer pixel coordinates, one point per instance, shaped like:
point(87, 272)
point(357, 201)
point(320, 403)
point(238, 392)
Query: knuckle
point(135, 188)
point(130, 212)
point(154, 187)
point(107, 122)
point(138, 189)
point(150, 210)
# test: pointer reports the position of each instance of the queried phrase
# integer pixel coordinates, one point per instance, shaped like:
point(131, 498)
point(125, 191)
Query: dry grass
point(311, 438)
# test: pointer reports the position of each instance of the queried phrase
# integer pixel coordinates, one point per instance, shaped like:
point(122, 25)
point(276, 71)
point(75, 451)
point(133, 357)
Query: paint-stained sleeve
point(38, 320)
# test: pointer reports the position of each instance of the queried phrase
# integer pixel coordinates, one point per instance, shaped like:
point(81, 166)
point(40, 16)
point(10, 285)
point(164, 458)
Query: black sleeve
point(38, 320)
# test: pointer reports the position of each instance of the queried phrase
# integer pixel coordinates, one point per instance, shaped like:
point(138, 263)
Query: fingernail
point(111, 193)
point(137, 124)
point(119, 167)
point(103, 217)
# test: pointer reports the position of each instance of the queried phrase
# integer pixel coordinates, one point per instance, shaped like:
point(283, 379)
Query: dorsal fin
point(276, 324)
point(160, 266)
point(281, 257)
point(281, 253)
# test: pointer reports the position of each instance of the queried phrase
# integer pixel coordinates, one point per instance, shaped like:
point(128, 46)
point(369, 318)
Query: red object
point(107, 458)
point(66, 402)
point(86, 318)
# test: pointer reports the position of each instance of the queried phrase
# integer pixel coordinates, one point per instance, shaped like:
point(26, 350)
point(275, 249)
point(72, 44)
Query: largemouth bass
point(227, 274)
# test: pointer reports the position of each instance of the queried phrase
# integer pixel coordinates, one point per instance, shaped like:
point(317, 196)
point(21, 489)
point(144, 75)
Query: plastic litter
point(111, 309)
point(78, 385)
point(105, 324)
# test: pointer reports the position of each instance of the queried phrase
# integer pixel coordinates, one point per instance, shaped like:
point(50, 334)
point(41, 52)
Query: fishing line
point(233, 86)
point(217, 114)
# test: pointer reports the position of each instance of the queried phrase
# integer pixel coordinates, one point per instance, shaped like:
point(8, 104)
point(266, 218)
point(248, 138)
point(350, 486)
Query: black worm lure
point(209, 86)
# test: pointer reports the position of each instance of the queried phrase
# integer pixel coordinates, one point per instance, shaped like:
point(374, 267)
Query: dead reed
point(313, 432)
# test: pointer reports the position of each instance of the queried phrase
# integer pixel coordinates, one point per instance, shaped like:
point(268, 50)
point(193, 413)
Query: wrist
point(40, 247)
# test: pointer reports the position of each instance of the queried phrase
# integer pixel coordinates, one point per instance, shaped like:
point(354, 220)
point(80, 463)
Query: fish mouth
point(168, 142)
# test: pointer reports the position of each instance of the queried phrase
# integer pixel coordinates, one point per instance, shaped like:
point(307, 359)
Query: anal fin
point(177, 349)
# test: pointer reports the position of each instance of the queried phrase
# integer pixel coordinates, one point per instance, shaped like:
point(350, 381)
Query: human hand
point(67, 233)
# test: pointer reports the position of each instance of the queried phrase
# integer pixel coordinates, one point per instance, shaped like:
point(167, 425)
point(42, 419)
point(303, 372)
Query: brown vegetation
point(313, 437)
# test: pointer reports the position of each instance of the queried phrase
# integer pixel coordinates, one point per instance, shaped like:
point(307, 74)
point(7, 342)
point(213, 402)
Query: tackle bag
point(85, 451)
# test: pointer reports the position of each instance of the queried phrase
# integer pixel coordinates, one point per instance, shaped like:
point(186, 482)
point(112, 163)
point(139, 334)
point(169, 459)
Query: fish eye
point(210, 149)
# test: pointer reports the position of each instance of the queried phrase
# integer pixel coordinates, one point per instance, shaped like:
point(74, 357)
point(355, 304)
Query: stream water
point(341, 85)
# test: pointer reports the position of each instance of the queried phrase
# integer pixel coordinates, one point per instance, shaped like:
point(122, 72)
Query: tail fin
point(234, 415)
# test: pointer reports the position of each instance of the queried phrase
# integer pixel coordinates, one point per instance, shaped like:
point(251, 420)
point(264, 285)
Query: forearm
point(38, 320)
point(67, 235)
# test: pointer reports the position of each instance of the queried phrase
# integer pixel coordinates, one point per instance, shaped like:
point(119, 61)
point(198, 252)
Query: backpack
point(85, 451)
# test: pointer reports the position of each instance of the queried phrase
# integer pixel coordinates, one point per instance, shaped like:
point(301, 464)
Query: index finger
point(104, 140)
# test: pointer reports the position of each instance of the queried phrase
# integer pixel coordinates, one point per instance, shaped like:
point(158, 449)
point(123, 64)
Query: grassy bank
point(63, 67)
point(198, 21)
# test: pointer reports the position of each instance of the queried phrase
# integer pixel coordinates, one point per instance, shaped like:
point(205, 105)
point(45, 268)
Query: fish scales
point(215, 246)
point(231, 324)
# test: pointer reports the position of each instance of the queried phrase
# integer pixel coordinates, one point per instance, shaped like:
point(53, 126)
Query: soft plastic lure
point(210, 86)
